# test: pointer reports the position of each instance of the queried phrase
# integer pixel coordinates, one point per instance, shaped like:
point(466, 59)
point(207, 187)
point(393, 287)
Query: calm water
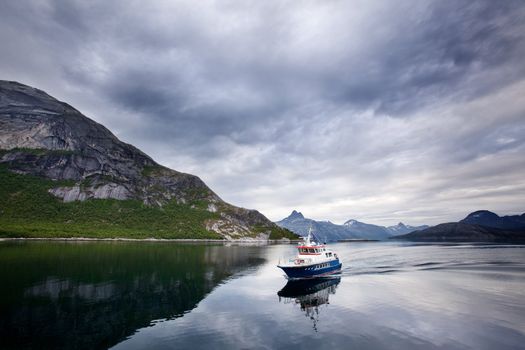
point(173, 296)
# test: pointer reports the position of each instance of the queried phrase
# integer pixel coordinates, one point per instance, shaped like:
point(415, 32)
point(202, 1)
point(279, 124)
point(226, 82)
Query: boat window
point(311, 250)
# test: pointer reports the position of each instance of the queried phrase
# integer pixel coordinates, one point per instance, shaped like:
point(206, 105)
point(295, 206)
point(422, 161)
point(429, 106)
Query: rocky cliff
point(44, 138)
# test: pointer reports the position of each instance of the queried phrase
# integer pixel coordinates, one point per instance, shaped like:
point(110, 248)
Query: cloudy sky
point(382, 111)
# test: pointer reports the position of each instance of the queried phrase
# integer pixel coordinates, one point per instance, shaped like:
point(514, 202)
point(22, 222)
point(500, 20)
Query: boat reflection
point(309, 294)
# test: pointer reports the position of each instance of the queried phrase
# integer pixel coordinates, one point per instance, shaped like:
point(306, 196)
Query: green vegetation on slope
point(276, 232)
point(28, 210)
point(150, 170)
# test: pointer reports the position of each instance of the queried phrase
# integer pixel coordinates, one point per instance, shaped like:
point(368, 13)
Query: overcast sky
point(381, 111)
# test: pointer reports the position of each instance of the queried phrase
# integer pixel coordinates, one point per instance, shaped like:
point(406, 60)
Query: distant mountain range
point(479, 226)
point(351, 229)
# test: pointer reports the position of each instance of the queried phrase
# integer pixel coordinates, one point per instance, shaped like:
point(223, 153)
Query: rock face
point(352, 229)
point(42, 136)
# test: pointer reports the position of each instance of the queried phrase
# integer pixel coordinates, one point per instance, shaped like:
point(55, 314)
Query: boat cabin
point(305, 250)
point(315, 250)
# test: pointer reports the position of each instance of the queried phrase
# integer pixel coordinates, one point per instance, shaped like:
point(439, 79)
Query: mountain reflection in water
point(310, 294)
point(93, 295)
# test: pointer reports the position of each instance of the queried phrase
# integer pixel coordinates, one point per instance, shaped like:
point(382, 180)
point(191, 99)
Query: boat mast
point(308, 238)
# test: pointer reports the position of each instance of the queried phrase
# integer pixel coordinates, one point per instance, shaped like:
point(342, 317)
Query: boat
point(313, 260)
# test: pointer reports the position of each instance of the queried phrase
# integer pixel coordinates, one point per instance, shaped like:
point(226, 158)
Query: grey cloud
point(426, 56)
point(336, 106)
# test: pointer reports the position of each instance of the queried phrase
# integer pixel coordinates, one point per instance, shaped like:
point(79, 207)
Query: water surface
point(201, 296)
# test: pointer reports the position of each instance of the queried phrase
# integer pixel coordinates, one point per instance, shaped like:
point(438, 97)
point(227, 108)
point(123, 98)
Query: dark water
point(173, 296)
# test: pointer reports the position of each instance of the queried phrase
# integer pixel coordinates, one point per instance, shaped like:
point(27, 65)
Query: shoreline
point(357, 240)
point(162, 240)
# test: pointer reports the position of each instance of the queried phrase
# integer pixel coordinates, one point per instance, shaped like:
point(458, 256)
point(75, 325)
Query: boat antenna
point(317, 240)
point(312, 235)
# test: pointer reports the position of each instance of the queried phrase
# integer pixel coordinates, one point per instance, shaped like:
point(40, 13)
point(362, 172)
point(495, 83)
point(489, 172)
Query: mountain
point(324, 230)
point(63, 175)
point(401, 229)
point(490, 219)
point(464, 232)
point(364, 230)
point(479, 226)
point(352, 229)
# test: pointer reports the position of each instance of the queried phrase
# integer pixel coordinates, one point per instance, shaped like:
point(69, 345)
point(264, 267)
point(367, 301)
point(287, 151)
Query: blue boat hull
point(312, 270)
